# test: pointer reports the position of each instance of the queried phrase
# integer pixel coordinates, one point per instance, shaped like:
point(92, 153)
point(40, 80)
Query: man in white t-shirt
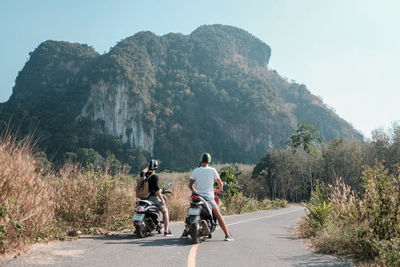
point(205, 176)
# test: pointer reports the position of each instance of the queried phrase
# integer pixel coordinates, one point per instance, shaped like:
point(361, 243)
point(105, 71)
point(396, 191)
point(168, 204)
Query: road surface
point(261, 239)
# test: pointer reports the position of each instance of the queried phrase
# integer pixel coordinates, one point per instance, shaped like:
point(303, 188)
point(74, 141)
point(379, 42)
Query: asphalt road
point(261, 239)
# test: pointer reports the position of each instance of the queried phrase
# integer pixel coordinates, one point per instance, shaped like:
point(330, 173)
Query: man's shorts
point(210, 200)
point(157, 202)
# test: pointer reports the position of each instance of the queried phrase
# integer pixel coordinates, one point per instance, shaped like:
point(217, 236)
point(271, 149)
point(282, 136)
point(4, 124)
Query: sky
point(345, 51)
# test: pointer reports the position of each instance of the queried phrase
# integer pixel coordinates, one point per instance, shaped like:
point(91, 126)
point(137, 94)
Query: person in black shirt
point(155, 194)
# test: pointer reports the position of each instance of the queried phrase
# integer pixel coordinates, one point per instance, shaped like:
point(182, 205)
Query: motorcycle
point(200, 222)
point(148, 217)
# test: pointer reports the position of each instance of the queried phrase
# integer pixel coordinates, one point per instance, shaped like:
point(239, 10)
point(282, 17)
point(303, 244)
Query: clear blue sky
point(346, 51)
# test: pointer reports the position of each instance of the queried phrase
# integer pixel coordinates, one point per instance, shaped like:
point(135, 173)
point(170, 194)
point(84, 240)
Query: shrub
point(366, 227)
point(318, 209)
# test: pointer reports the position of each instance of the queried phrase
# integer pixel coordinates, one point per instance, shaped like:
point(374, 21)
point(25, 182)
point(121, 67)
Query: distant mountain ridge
point(171, 97)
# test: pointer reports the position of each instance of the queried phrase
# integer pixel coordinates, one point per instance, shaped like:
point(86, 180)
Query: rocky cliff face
point(111, 104)
point(175, 96)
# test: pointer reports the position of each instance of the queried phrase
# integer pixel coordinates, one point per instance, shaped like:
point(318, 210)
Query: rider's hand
point(163, 202)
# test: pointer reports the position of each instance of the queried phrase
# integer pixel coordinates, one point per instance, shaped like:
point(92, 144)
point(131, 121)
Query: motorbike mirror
point(169, 184)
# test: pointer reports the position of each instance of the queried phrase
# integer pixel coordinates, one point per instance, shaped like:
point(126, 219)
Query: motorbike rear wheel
point(194, 233)
point(141, 230)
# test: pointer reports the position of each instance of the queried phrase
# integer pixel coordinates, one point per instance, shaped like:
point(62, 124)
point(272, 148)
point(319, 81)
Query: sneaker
point(168, 233)
point(160, 229)
point(185, 234)
point(229, 238)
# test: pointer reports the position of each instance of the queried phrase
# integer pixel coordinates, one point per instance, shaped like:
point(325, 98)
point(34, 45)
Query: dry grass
point(88, 199)
point(178, 203)
point(239, 203)
point(26, 197)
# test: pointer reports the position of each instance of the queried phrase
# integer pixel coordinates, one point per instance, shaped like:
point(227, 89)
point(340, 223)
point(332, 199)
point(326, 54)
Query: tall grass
point(178, 203)
point(86, 199)
point(26, 196)
point(35, 204)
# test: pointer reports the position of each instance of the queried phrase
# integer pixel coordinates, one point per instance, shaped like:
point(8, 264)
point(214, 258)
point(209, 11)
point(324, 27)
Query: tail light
point(216, 200)
point(139, 209)
point(196, 198)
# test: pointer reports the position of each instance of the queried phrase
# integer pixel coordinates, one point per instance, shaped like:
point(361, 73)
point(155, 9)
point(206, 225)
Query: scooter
point(200, 222)
point(148, 217)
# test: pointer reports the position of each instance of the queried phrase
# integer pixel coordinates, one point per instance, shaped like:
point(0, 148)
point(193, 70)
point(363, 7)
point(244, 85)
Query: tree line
point(292, 173)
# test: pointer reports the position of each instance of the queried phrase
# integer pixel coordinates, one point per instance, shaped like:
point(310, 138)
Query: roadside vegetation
point(354, 204)
point(39, 203)
point(364, 225)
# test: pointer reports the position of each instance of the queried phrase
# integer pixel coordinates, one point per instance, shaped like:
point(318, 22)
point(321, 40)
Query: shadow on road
point(111, 237)
point(319, 260)
point(289, 237)
point(160, 242)
point(150, 241)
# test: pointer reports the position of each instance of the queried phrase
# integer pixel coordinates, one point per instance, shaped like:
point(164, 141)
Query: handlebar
point(165, 191)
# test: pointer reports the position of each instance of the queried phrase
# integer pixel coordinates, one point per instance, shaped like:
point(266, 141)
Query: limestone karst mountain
point(170, 97)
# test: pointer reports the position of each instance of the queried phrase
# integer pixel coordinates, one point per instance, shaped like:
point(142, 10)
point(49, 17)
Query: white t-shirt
point(205, 178)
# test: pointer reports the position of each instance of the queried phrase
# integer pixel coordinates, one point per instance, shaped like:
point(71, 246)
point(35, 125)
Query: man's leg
point(165, 219)
point(221, 221)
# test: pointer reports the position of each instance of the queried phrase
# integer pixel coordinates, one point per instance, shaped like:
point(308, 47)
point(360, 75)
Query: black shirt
point(153, 183)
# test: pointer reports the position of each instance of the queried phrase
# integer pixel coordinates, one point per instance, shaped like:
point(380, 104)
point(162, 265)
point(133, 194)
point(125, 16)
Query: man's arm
point(157, 187)
point(191, 186)
point(220, 184)
point(160, 196)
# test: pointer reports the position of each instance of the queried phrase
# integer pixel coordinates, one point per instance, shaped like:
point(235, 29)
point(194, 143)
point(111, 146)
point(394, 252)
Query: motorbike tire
point(194, 233)
point(141, 230)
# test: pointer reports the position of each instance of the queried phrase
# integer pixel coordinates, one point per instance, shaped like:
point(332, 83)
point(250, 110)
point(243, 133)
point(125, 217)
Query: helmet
point(153, 164)
point(205, 158)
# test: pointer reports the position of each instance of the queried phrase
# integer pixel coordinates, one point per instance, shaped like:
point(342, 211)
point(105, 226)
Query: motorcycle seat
point(143, 201)
point(209, 205)
point(205, 201)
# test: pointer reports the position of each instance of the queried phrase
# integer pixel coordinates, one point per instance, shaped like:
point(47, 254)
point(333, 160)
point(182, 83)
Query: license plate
point(138, 217)
point(193, 211)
